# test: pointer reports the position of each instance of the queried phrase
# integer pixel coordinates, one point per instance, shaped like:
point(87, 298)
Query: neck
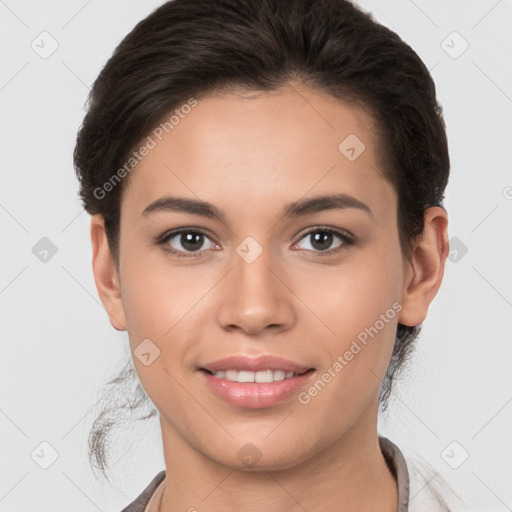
point(348, 475)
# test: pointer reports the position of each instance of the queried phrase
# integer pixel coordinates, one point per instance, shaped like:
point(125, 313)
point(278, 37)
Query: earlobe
point(105, 274)
point(426, 268)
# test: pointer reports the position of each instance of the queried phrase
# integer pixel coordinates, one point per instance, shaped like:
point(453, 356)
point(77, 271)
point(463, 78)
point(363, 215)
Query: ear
point(426, 269)
point(106, 275)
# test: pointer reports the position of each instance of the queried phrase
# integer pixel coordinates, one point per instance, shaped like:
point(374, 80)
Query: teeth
point(248, 376)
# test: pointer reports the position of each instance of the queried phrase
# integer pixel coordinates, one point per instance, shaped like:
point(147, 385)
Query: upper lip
point(265, 362)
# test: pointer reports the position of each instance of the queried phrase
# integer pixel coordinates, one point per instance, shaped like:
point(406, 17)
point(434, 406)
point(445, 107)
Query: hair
point(196, 48)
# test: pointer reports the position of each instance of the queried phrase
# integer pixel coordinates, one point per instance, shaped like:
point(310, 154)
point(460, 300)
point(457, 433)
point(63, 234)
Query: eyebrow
point(296, 209)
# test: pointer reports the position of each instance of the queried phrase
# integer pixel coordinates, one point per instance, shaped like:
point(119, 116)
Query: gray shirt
point(392, 455)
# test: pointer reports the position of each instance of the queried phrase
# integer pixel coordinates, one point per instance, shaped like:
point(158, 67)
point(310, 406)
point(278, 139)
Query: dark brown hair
point(191, 48)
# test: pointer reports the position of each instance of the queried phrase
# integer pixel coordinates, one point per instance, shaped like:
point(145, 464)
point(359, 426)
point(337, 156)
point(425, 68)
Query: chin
point(261, 456)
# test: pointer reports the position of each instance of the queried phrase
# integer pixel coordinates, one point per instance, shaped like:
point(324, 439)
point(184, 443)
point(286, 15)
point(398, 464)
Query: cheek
point(160, 302)
point(159, 299)
point(352, 296)
point(360, 313)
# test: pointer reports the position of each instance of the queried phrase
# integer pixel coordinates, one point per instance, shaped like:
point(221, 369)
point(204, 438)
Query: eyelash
point(164, 239)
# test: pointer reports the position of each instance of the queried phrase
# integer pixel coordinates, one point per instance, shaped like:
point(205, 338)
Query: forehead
point(242, 147)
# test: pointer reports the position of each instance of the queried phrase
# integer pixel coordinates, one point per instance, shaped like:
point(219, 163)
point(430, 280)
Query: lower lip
point(255, 395)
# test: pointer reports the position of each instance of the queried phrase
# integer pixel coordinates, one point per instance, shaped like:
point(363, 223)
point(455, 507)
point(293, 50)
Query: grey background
point(58, 346)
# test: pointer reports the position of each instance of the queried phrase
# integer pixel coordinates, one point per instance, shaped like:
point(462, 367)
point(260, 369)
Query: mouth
point(256, 389)
point(261, 376)
point(255, 382)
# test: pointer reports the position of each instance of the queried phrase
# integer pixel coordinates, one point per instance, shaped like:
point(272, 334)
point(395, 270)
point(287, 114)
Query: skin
point(250, 155)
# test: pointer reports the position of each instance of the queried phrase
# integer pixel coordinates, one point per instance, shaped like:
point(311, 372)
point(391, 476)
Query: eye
point(184, 242)
point(322, 238)
point(187, 241)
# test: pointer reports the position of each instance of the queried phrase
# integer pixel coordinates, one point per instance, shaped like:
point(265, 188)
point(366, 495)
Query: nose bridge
point(255, 297)
point(253, 268)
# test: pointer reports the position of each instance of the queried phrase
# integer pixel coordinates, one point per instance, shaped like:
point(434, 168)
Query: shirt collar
point(398, 467)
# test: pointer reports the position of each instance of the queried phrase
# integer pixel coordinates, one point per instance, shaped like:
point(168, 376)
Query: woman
point(265, 180)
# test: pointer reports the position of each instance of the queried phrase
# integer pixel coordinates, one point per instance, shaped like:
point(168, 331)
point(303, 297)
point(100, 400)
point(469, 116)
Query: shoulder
point(429, 491)
point(421, 488)
point(142, 500)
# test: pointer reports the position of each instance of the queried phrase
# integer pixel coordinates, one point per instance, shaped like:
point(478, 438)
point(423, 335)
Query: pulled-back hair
point(191, 48)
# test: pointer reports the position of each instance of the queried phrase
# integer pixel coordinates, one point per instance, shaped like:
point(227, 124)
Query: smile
point(260, 376)
point(255, 390)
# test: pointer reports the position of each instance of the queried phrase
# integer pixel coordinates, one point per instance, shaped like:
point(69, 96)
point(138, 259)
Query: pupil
point(322, 240)
point(189, 241)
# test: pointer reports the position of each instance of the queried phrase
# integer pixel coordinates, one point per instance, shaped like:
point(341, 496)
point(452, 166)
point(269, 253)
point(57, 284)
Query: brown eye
point(185, 242)
point(322, 239)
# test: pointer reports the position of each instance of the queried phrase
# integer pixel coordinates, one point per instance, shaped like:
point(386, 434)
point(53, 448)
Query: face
point(320, 286)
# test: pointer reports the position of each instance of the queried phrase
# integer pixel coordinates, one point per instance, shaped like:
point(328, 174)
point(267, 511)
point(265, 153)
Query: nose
point(256, 297)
